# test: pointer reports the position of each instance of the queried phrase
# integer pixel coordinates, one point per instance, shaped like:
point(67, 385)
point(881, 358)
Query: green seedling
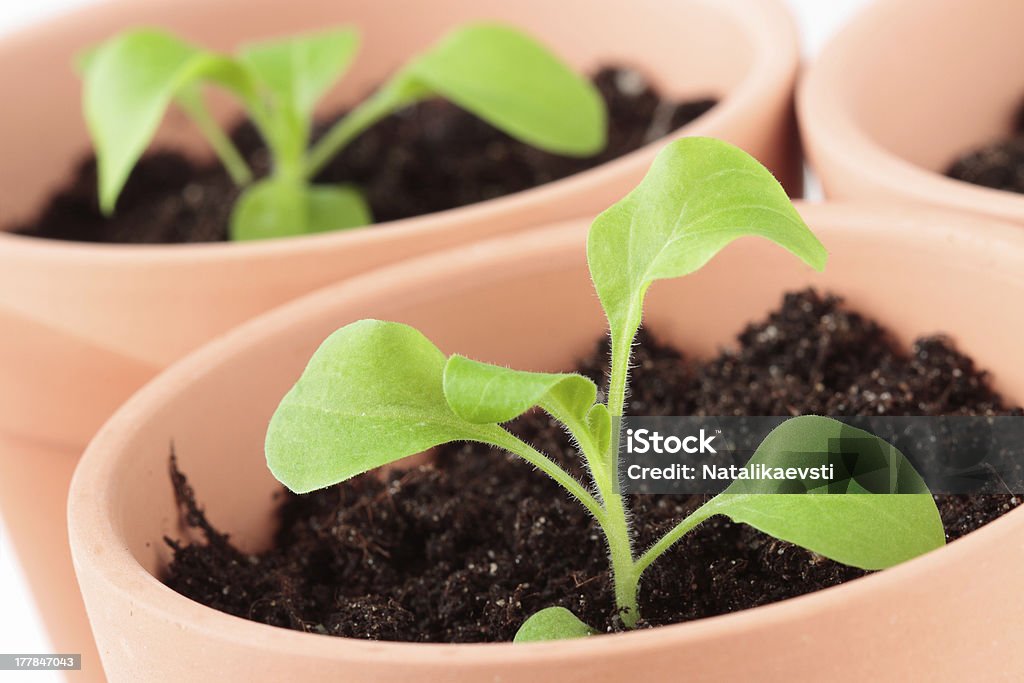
point(491, 70)
point(377, 391)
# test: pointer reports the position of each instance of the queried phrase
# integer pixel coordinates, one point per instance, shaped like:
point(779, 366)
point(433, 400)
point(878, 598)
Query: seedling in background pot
point(491, 70)
point(375, 392)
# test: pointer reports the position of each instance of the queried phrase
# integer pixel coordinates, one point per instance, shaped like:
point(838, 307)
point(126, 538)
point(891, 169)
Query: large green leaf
point(552, 623)
point(516, 84)
point(698, 196)
point(877, 513)
point(278, 208)
point(482, 393)
point(129, 81)
point(298, 70)
point(371, 394)
point(501, 75)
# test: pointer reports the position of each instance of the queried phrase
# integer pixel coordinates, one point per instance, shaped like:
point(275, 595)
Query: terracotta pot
point(85, 325)
point(906, 88)
point(110, 315)
point(527, 301)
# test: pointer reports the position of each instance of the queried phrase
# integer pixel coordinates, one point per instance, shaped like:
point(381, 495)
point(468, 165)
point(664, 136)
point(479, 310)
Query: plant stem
point(399, 92)
point(502, 439)
point(615, 526)
point(625, 576)
point(678, 531)
point(222, 145)
point(622, 349)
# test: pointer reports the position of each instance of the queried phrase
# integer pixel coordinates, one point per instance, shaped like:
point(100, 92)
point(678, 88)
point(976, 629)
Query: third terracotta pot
point(527, 301)
point(905, 89)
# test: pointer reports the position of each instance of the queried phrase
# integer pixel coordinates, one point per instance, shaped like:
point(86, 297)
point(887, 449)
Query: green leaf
point(877, 513)
point(482, 393)
point(278, 208)
point(699, 195)
point(372, 394)
point(129, 81)
point(335, 207)
point(298, 70)
point(516, 84)
point(599, 422)
point(552, 623)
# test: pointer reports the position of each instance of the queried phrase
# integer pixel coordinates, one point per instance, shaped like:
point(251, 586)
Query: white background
point(20, 627)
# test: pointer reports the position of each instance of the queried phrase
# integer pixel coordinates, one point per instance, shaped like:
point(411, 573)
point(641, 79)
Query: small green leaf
point(277, 208)
point(269, 209)
point(372, 394)
point(482, 393)
point(129, 81)
point(599, 422)
point(552, 623)
point(298, 70)
point(854, 520)
point(699, 195)
point(516, 84)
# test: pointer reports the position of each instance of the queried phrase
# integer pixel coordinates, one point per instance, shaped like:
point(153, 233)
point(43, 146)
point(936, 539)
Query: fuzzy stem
point(502, 439)
point(678, 531)
point(621, 351)
point(625, 576)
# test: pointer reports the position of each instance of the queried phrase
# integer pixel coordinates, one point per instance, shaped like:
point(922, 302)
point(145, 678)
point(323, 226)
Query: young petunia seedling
point(375, 392)
point(494, 71)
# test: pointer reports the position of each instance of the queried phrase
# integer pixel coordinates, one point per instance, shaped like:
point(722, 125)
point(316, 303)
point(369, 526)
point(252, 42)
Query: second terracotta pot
point(527, 301)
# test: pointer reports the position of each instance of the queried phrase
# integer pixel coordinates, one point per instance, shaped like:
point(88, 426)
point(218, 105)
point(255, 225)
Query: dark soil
point(999, 165)
point(429, 157)
point(465, 550)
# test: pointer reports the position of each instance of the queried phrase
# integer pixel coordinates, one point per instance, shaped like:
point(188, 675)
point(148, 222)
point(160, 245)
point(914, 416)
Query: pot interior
point(528, 302)
point(690, 48)
point(929, 80)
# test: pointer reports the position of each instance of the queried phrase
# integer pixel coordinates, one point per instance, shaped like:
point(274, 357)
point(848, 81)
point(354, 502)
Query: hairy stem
point(626, 574)
point(622, 349)
point(502, 439)
point(617, 381)
point(625, 577)
point(678, 531)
